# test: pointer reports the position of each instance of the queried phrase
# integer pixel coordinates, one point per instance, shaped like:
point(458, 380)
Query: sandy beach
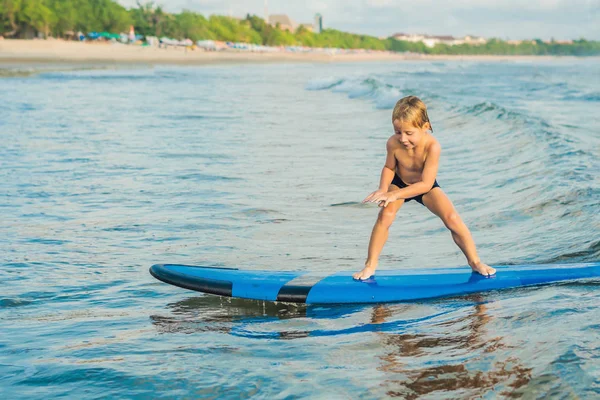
point(60, 51)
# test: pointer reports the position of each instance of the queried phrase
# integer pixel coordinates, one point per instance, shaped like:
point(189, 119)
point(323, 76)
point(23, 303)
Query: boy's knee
point(451, 220)
point(386, 217)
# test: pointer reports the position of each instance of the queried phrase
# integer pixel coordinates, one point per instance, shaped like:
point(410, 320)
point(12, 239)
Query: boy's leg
point(438, 203)
point(379, 236)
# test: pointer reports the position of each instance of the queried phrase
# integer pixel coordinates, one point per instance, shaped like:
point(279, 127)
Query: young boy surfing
point(409, 174)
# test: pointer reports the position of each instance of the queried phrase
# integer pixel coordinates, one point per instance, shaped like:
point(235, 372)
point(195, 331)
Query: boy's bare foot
point(365, 273)
point(482, 268)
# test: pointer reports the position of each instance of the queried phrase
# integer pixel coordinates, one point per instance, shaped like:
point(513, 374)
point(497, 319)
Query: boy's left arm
point(427, 179)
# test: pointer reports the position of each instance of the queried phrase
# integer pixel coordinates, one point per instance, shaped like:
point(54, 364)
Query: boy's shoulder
point(433, 143)
point(392, 142)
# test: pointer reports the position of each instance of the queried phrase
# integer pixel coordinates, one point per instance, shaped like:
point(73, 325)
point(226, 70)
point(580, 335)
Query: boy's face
point(408, 135)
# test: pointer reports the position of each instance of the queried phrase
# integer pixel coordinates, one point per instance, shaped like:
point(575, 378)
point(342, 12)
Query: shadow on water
point(228, 315)
point(355, 204)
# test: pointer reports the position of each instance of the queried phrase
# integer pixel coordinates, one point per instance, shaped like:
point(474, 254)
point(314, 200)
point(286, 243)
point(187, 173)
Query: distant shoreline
point(67, 52)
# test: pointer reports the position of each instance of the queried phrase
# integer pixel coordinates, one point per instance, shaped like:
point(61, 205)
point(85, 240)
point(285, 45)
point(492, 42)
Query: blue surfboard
point(385, 286)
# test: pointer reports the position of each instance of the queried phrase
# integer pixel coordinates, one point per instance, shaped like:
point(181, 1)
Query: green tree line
point(58, 18)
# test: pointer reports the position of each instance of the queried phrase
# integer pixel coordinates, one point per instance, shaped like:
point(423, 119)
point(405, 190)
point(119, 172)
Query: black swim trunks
point(400, 183)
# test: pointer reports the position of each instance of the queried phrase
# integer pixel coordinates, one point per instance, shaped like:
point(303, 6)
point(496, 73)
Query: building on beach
point(474, 40)
point(406, 37)
point(431, 41)
point(318, 24)
point(285, 23)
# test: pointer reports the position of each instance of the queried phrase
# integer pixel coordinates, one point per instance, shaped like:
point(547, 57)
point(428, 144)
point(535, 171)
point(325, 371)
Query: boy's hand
point(381, 197)
point(369, 198)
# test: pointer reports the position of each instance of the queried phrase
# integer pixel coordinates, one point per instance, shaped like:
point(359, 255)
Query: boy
point(409, 174)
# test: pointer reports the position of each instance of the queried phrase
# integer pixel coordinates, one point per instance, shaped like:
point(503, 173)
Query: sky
point(505, 19)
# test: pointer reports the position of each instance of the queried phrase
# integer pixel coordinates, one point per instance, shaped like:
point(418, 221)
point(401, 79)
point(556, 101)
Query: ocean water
point(107, 171)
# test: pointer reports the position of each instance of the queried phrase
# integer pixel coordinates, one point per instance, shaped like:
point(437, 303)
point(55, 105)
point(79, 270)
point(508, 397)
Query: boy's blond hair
point(412, 110)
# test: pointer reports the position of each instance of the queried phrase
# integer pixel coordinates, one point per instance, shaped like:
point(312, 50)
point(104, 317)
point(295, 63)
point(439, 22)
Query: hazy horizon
point(505, 19)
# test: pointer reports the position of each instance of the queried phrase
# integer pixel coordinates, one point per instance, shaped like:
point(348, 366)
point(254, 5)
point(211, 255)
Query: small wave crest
point(591, 97)
point(511, 120)
point(493, 110)
point(590, 253)
point(383, 95)
point(324, 84)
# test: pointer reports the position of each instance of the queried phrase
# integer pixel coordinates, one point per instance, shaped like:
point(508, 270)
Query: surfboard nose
point(188, 277)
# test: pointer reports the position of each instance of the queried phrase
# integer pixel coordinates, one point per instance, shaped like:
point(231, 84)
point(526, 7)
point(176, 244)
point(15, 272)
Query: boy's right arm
point(389, 169)
point(387, 173)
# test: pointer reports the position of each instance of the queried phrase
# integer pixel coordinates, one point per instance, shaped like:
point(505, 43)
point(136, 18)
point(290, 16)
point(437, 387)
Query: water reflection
point(458, 346)
point(444, 347)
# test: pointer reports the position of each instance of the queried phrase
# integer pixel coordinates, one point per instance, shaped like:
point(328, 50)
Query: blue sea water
point(108, 171)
